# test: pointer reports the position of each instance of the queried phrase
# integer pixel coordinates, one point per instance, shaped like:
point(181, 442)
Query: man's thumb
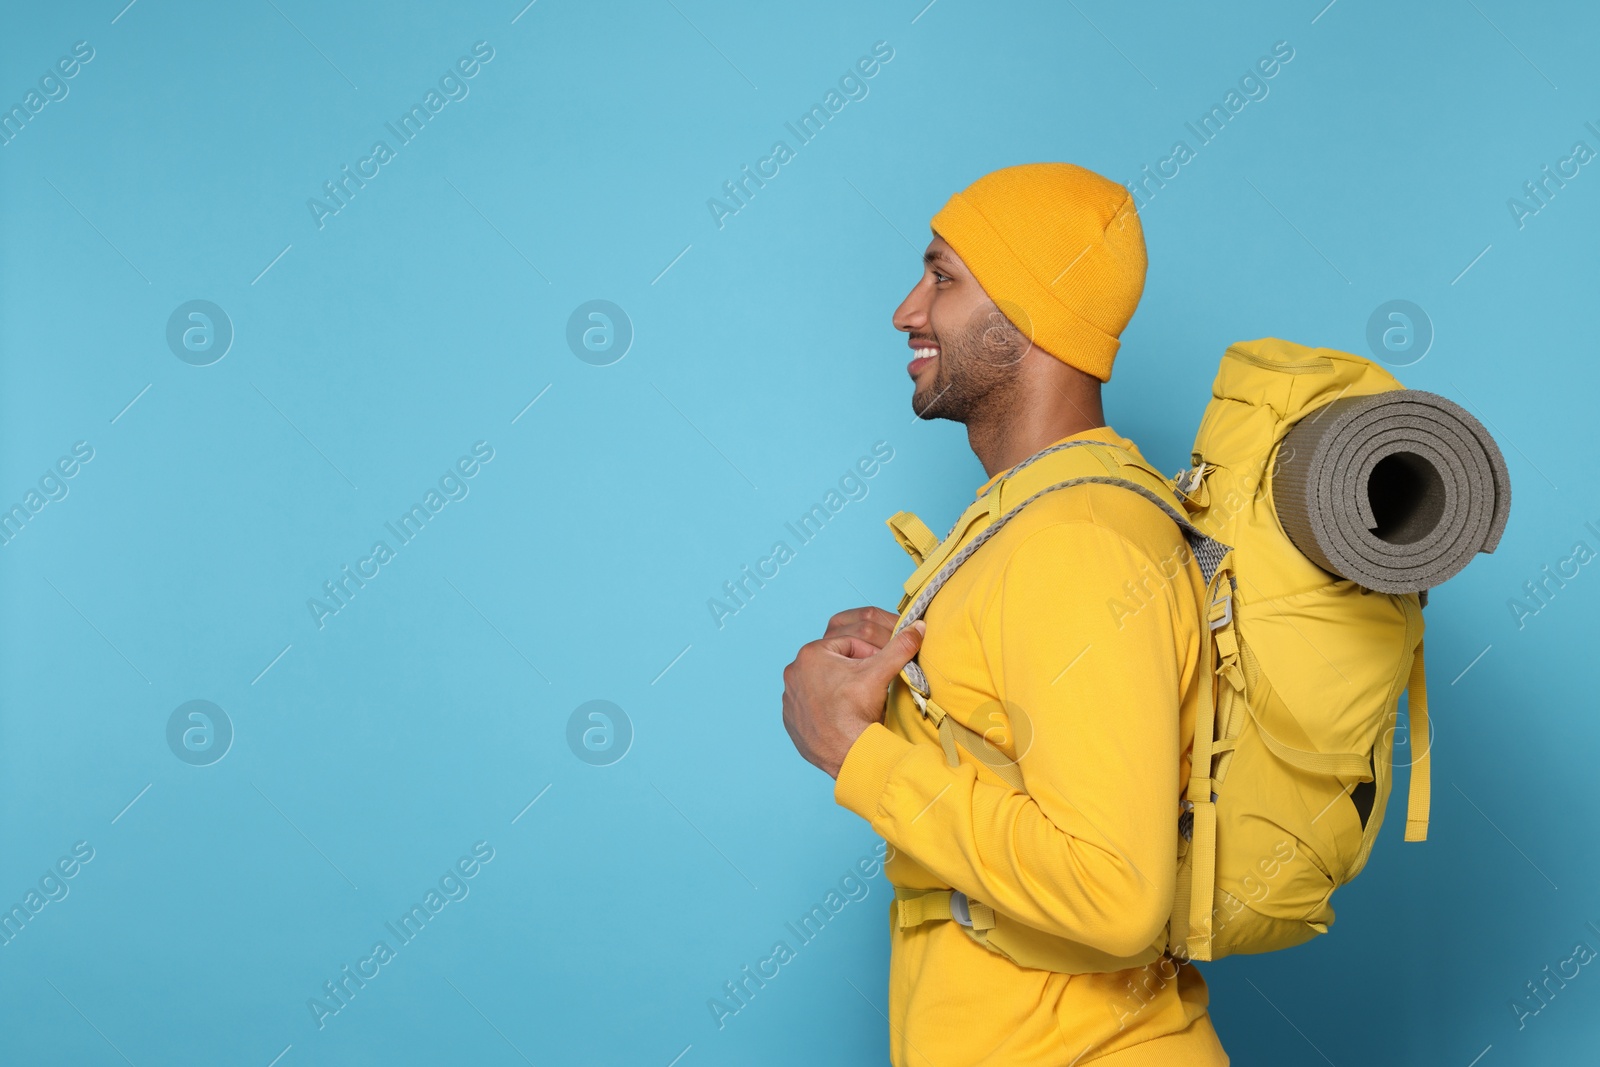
point(901, 649)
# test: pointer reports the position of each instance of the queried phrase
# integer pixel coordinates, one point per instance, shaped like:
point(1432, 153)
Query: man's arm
point(1089, 852)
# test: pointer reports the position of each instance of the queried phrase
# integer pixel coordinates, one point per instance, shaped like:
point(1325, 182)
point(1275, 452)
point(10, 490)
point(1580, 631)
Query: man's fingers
point(868, 623)
point(875, 633)
point(848, 645)
point(844, 620)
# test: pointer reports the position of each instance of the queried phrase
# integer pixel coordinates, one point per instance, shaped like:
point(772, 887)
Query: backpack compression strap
point(1417, 802)
point(1189, 928)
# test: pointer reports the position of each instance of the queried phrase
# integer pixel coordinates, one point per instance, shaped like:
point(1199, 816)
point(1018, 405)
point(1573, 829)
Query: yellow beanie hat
point(1059, 249)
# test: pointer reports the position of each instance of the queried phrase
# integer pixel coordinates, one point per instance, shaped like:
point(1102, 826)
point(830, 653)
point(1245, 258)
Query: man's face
point(965, 350)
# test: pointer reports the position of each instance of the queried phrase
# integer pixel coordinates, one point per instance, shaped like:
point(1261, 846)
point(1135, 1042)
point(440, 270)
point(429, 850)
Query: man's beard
point(975, 370)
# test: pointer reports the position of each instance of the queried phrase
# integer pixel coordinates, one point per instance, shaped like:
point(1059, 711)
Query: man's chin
point(925, 405)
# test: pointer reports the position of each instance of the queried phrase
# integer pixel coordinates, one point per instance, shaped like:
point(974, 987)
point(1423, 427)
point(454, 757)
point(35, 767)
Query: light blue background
point(425, 317)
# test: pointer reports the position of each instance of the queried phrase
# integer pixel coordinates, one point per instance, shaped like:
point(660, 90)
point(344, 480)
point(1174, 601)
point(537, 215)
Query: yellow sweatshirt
point(1064, 615)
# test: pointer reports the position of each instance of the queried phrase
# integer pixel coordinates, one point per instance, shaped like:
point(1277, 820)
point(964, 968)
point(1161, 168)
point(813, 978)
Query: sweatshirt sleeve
point(1088, 853)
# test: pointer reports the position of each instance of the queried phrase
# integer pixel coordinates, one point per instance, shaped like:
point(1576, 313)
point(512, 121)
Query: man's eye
point(938, 277)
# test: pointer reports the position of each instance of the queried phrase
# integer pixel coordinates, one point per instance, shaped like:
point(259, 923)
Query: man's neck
point(1058, 405)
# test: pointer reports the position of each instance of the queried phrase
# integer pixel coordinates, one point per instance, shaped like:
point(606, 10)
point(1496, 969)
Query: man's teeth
point(927, 353)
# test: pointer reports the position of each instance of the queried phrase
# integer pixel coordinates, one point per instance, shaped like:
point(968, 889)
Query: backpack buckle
point(1187, 481)
point(1186, 817)
point(1226, 600)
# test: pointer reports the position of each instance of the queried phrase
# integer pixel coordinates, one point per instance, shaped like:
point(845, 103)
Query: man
point(1072, 624)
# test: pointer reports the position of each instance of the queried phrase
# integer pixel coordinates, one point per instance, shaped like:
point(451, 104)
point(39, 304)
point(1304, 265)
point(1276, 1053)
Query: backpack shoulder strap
point(1028, 481)
point(1110, 466)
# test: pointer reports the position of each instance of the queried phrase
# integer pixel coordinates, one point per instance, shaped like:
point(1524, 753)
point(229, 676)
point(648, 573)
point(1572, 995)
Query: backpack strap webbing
point(913, 535)
point(953, 733)
point(1418, 802)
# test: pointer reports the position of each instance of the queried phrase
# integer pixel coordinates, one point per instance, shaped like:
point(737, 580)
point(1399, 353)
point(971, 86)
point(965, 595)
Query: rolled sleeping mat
point(1395, 491)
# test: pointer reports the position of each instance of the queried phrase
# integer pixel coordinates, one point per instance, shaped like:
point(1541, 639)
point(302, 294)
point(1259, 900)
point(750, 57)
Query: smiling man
point(1034, 882)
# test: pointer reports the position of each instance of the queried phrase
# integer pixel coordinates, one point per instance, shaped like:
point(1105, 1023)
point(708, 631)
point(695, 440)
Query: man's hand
point(835, 687)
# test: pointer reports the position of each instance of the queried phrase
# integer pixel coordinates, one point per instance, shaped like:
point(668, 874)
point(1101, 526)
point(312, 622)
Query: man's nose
point(912, 314)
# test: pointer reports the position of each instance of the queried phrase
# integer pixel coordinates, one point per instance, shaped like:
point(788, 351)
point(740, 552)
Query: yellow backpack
point(1294, 739)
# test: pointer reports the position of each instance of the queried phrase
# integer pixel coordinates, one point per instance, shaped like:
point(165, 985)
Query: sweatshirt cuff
point(866, 769)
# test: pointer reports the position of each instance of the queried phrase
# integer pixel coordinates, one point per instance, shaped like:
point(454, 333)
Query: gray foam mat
point(1396, 491)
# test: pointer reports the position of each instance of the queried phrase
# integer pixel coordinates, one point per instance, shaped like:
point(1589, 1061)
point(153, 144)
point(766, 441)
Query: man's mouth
point(924, 356)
